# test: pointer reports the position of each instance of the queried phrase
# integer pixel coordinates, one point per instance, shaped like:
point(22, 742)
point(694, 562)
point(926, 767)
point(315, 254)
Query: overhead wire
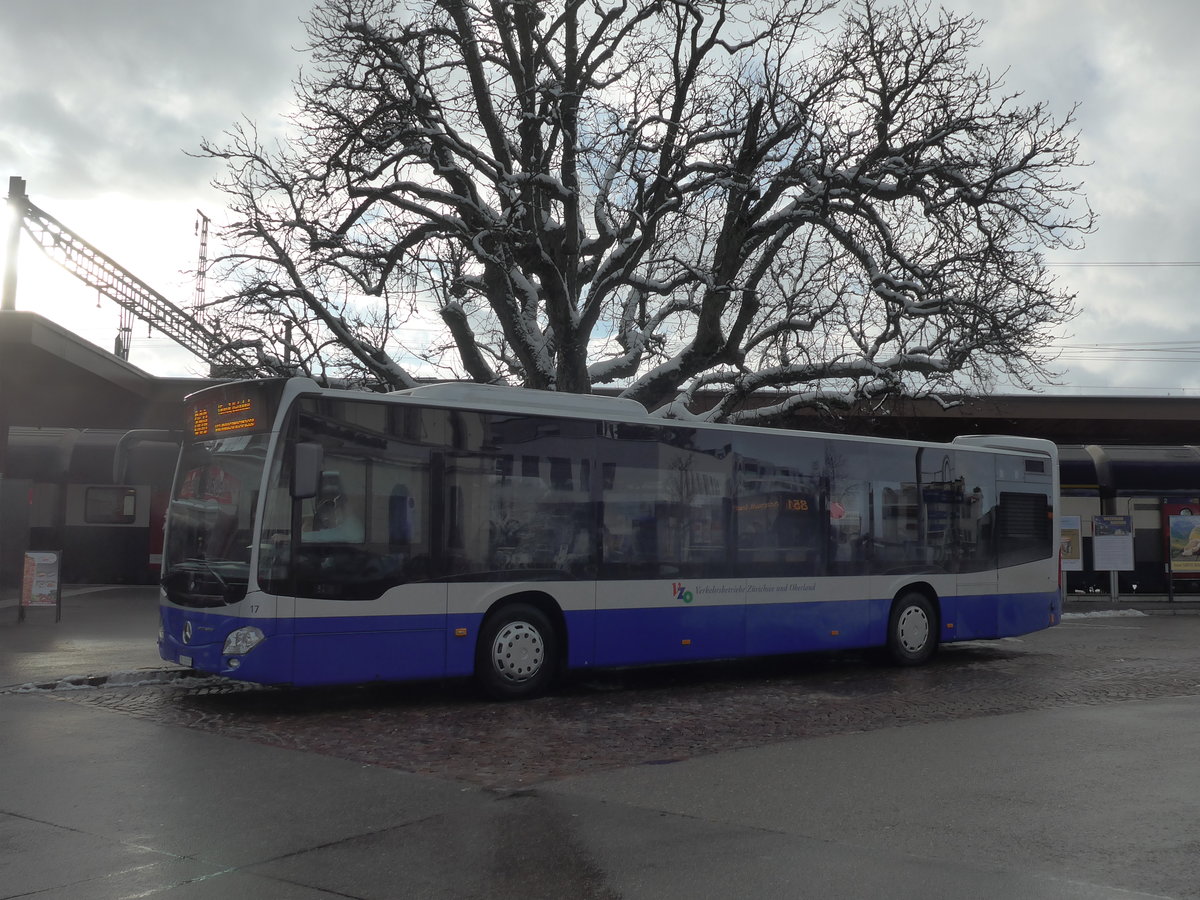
point(1151, 264)
point(1132, 351)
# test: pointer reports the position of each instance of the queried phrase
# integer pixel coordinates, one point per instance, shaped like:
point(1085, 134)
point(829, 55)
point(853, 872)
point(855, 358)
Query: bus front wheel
point(912, 630)
point(517, 653)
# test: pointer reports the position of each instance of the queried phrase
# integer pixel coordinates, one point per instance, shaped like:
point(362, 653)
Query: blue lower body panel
point(806, 627)
point(627, 637)
point(268, 663)
point(351, 650)
point(391, 654)
point(989, 617)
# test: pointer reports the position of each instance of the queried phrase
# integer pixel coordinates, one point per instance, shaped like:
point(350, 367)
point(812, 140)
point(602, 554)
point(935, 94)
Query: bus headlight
point(243, 640)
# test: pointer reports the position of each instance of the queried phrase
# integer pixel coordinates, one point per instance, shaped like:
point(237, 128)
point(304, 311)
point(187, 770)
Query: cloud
point(102, 100)
point(1133, 74)
point(105, 96)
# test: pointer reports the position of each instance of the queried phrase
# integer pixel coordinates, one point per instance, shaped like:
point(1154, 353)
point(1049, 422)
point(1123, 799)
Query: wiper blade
point(211, 569)
point(198, 582)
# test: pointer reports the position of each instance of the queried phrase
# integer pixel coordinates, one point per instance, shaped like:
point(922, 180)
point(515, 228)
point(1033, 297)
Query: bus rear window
point(1025, 530)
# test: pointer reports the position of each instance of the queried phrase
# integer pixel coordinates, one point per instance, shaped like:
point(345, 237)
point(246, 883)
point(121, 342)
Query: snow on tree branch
point(808, 201)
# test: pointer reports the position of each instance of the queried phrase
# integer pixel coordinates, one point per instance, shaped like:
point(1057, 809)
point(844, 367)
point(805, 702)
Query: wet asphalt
point(1063, 764)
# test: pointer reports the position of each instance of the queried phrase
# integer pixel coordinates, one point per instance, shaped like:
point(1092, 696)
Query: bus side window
point(396, 527)
point(336, 516)
point(849, 519)
point(400, 510)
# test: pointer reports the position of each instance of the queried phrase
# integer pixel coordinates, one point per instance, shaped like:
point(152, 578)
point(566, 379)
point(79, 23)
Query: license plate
point(185, 661)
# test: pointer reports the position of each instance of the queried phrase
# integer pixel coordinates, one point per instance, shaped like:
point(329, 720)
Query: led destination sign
point(223, 418)
point(789, 504)
point(232, 409)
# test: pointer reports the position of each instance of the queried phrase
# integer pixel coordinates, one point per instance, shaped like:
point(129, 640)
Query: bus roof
point(504, 398)
point(523, 400)
point(1008, 442)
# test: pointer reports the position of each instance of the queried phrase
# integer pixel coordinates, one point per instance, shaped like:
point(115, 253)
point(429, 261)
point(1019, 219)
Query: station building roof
point(52, 378)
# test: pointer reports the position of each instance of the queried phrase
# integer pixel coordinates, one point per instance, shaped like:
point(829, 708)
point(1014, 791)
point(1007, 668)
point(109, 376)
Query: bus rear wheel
point(912, 630)
point(517, 653)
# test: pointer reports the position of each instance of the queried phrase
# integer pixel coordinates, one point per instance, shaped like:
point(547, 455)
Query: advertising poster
point(1180, 516)
point(40, 584)
point(1071, 537)
point(1184, 531)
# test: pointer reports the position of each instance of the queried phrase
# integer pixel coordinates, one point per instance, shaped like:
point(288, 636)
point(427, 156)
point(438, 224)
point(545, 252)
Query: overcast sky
point(101, 101)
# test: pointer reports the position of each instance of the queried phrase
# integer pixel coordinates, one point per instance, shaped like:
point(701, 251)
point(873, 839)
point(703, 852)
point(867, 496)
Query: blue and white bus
point(317, 536)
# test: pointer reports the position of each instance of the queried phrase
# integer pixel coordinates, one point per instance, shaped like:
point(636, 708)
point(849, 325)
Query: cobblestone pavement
point(663, 715)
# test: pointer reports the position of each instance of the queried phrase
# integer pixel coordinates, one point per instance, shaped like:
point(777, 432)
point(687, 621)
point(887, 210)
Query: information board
point(1071, 537)
point(1112, 545)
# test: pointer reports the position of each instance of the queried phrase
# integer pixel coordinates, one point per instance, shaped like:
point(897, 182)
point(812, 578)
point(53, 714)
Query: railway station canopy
point(52, 378)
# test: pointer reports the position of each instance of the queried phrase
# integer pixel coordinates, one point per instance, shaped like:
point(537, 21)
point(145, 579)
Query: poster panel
point(39, 587)
point(1184, 537)
point(1071, 536)
point(1112, 544)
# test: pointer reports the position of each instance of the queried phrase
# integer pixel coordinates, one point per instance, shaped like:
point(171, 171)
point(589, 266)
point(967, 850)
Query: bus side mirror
point(307, 462)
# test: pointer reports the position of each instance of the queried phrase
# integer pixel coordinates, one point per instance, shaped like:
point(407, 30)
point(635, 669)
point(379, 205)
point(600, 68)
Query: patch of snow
point(181, 677)
point(1105, 614)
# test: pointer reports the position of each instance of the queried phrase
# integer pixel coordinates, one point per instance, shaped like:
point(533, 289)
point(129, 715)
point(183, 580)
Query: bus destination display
point(236, 409)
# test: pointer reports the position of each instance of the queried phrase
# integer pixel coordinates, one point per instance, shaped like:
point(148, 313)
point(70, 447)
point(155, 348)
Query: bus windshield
point(210, 522)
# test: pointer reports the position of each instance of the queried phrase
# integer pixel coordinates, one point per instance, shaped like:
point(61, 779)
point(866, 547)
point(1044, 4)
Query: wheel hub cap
point(914, 629)
point(518, 652)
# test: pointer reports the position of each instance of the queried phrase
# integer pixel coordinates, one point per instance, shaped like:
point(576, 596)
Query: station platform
point(104, 630)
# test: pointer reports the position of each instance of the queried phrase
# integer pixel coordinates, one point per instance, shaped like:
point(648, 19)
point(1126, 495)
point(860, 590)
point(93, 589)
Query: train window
point(110, 506)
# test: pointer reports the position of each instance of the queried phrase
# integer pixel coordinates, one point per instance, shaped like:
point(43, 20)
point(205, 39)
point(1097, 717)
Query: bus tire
point(517, 654)
point(912, 636)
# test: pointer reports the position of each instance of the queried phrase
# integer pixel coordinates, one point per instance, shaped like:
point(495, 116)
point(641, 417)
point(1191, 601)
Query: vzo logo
point(682, 593)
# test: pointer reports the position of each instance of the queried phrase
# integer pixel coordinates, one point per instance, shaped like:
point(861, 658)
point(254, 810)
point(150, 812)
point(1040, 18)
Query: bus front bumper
point(223, 646)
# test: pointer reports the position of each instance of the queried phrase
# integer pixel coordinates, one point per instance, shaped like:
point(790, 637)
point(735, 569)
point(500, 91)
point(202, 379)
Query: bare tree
point(783, 202)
